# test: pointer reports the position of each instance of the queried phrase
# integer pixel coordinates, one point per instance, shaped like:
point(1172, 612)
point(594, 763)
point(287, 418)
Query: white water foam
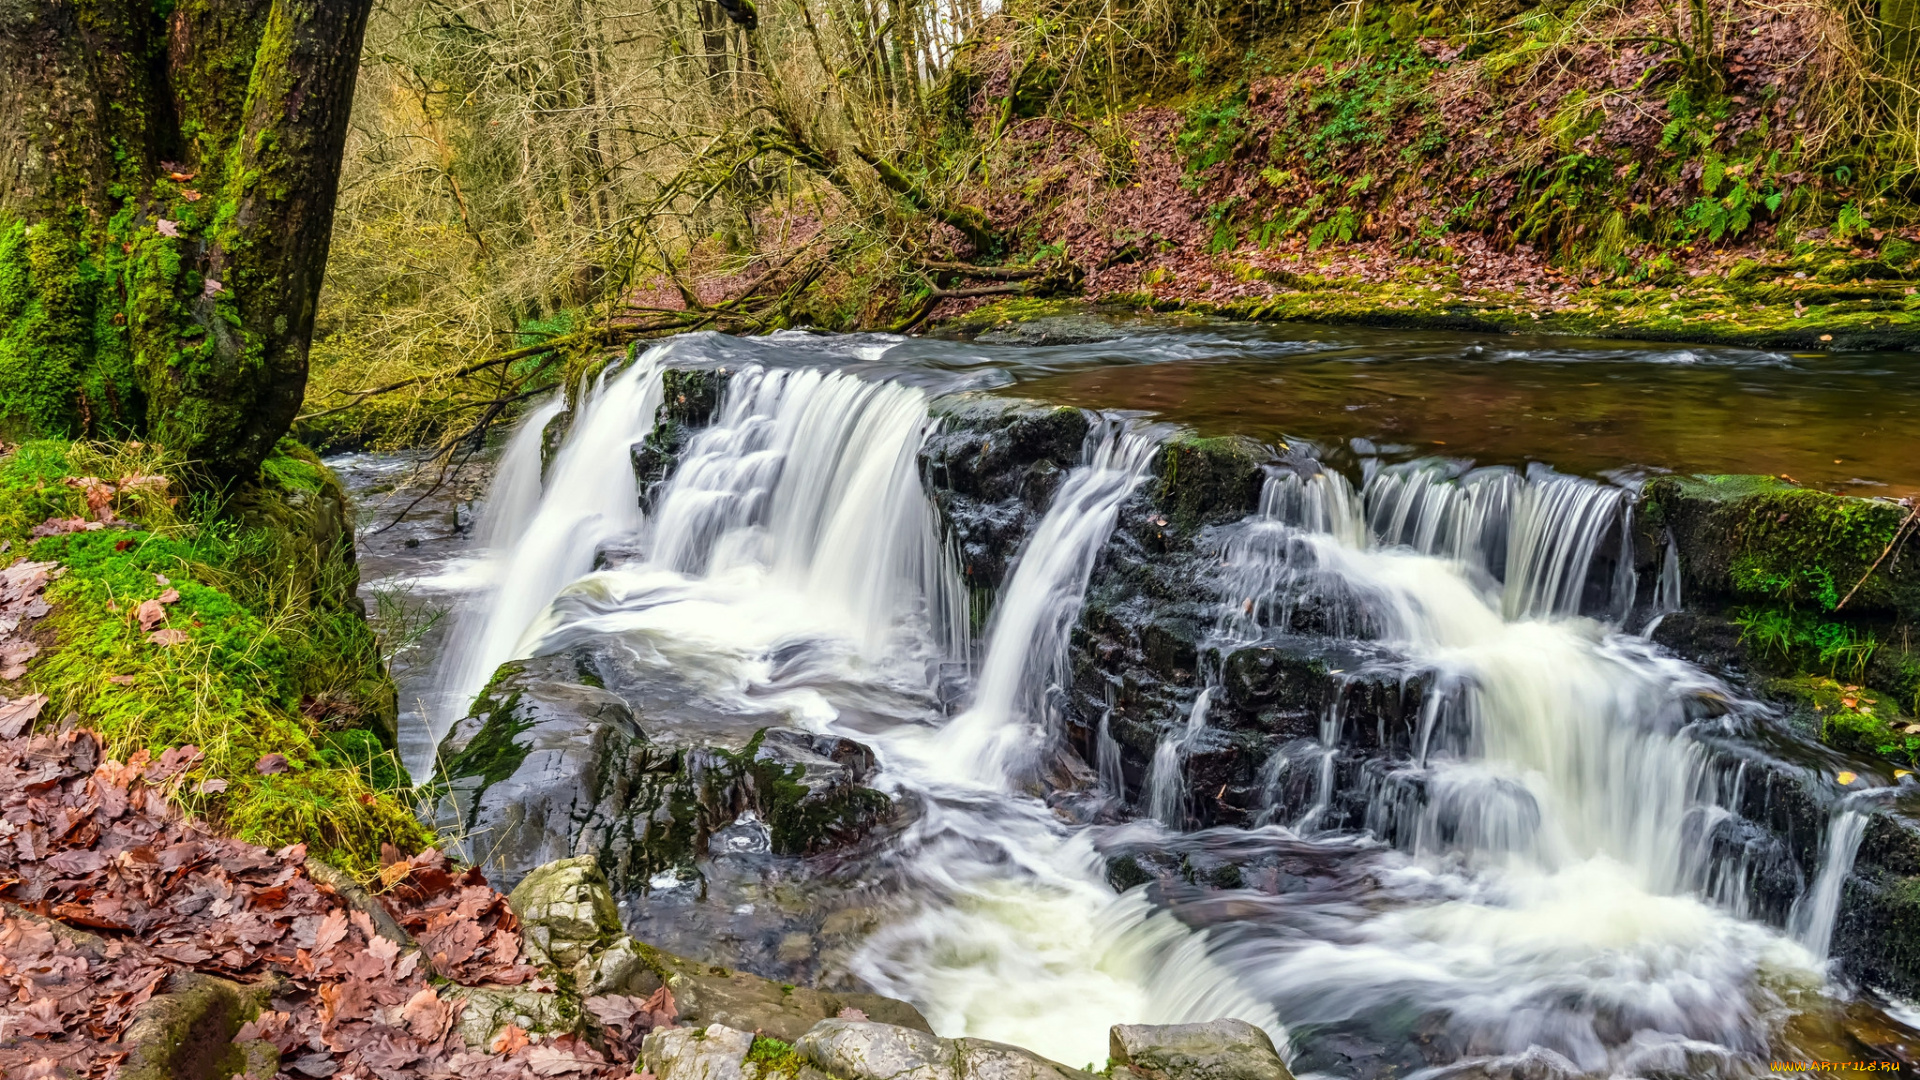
point(792, 566)
point(1543, 898)
point(1551, 874)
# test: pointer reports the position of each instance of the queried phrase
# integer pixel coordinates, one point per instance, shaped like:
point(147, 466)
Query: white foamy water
point(1552, 863)
point(1541, 895)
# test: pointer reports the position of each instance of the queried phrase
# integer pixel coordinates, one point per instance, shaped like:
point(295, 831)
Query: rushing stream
point(1530, 892)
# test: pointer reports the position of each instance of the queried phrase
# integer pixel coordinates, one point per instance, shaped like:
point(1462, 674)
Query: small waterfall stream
point(1540, 896)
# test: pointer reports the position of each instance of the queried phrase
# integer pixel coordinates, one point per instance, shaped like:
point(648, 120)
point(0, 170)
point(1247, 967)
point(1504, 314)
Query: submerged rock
point(551, 764)
point(713, 994)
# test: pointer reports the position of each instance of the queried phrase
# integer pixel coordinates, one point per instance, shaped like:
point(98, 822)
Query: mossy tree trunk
point(167, 182)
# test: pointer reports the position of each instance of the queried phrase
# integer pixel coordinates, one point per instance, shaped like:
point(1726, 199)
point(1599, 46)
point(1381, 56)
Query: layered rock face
point(1145, 650)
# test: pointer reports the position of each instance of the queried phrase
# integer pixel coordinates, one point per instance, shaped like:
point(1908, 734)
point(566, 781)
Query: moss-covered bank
point(273, 655)
point(1823, 589)
point(1751, 311)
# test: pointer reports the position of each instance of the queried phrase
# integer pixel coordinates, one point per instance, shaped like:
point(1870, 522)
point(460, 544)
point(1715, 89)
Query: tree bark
point(167, 184)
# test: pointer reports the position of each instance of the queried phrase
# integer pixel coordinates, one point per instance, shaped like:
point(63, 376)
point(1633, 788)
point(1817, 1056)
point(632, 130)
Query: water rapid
point(1529, 888)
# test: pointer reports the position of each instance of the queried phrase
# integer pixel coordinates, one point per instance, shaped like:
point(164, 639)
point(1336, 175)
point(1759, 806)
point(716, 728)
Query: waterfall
point(999, 737)
point(1537, 880)
point(793, 567)
point(1555, 783)
point(515, 492)
point(1666, 590)
point(1113, 778)
point(1813, 916)
point(1167, 783)
point(814, 477)
point(536, 550)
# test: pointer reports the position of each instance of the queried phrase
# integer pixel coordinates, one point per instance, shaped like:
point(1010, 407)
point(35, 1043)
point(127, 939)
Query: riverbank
point(1755, 305)
point(229, 623)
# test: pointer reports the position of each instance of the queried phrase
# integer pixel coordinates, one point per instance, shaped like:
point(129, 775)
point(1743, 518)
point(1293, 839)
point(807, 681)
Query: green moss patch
point(270, 662)
point(774, 1057)
point(1204, 480)
point(1764, 540)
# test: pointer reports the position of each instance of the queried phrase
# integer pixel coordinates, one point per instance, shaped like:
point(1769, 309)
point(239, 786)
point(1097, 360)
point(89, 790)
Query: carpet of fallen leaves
point(99, 845)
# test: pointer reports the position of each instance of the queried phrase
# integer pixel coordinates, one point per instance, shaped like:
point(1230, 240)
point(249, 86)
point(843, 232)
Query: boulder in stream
point(1217, 1050)
point(551, 764)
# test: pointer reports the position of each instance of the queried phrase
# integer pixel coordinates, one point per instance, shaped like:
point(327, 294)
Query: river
point(1526, 894)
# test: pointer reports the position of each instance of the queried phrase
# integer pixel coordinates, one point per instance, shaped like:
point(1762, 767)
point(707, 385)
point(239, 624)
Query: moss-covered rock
point(551, 764)
point(186, 1032)
point(1208, 481)
point(300, 523)
point(690, 398)
point(272, 652)
point(1759, 539)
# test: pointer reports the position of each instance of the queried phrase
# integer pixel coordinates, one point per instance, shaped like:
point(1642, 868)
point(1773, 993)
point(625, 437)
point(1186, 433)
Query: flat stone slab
point(1216, 1050)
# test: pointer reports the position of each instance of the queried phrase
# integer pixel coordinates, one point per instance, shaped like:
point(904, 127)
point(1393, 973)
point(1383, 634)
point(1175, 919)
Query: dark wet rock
point(551, 763)
point(993, 467)
point(551, 438)
point(1208, 481)
point(1217, 1050)
point(1145, 650)
point(1709, 640)
point(690, 398)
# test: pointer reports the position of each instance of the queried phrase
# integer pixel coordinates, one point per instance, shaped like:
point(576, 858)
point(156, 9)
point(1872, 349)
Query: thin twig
point(1897, 534)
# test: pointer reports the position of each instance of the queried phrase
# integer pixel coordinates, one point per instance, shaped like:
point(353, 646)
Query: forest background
point(530, 181)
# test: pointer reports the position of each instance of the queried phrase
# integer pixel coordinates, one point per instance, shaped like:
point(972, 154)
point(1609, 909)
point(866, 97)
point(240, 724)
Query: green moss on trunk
point(164, 232)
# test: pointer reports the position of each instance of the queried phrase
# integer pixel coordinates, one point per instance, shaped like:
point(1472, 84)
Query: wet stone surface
point(725, 835)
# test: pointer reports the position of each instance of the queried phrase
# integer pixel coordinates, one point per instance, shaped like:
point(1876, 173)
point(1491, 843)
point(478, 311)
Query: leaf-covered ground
point(111, 892)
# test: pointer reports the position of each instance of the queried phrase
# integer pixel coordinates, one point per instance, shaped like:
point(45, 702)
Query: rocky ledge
point(1762, 565)
point(551, 763)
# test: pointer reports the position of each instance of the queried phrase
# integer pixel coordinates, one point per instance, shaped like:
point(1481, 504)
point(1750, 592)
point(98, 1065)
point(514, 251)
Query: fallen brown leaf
point(150, 614)
point(509, 1039)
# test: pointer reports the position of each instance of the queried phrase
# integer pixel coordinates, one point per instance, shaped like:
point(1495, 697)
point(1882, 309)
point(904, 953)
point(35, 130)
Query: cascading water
point(1541, 894)
point(792, 565)
point(1552, 846)
point(1813, 917)
point(998, 737)
point(533, 551)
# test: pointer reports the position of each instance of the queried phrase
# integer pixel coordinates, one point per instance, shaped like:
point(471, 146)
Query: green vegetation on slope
point(273, 657)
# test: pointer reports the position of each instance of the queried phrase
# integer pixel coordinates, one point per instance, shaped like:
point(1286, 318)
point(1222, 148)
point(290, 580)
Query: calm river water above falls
point(1529, 896)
